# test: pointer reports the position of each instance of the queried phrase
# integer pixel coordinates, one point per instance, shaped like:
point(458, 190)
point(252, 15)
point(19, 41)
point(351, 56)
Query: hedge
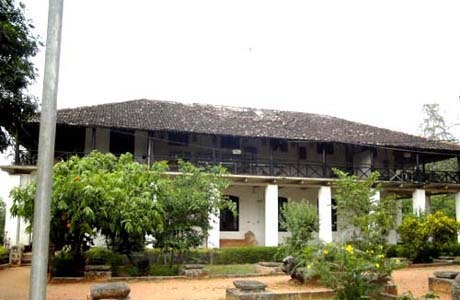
point(4, 255)
point(221, 256)
point(244, 255)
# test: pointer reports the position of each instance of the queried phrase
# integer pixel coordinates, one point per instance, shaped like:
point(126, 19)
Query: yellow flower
point(380, 256)
point(349, 249)
point(325, 252)
point(377, 265)
point(308, 266)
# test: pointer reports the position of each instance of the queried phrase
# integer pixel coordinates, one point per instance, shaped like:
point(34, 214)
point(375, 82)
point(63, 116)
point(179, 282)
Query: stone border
point(428, 265)
point(235, 294)
point(440, 285)
point(157, 278)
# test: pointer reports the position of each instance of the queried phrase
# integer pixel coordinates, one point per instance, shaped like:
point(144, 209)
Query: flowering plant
point(352, 273)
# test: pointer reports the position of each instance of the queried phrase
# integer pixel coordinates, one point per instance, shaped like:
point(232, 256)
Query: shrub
point(301, 220)
point(244, 255)
point(102, 256)
point(425, 237)
point(162, 270)
point(66, 265)
point(352, 273)
point(4, 255)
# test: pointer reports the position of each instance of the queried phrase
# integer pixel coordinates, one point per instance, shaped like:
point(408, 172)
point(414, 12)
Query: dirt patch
point(416, 279)
point(14, 283)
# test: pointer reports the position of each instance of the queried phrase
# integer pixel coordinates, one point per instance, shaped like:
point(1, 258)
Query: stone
point(447, 257)
point(455, 292)
point(250, 286)
point(193, 272)
point(446, 274)
point(270, 264)
point(269, 268)
point(193, 266)
point(288, 265)
point(112, 290)
point(98, 268)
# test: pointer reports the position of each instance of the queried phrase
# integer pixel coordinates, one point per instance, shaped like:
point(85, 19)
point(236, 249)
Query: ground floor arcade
point(259, 200)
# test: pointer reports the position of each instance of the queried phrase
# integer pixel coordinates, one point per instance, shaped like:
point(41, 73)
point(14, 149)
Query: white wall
point(14, 227)
point(252, 209)
point(251, 213)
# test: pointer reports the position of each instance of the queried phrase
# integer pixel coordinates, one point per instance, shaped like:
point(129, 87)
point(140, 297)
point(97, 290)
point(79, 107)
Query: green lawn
point(230, 269)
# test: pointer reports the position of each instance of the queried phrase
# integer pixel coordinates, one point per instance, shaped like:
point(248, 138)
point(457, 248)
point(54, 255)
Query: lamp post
point(41, 225)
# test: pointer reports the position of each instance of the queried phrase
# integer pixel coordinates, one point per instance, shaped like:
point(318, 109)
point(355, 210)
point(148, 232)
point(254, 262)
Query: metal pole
point(41, 226)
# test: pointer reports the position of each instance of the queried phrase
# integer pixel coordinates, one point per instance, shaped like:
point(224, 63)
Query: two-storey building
point(272, 156)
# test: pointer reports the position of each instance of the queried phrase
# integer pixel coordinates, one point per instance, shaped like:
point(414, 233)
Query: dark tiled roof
point(224, 120)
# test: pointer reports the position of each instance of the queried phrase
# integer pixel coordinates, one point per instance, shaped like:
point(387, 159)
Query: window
point(334, 214)
point(328, 147)
point(228, 221)
point(281, 202)
point(121, 141)
point(178, 139)
point(279, 145)
point(230, 142)
point(302, 152)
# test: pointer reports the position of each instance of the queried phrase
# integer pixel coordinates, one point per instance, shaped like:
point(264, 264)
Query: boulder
point(105, 268)
point(250, 286)
point(455, 291)
point(193, 266)
point(446, 274)
point(112, 290)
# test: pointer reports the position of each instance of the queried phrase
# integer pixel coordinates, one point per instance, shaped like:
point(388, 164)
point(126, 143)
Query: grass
point(239, 269)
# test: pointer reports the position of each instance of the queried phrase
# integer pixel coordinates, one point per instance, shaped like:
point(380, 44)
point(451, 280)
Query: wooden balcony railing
point(288, 168)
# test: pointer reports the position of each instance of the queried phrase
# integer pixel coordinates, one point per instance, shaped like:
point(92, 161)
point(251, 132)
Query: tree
point(433, 125)
point(371, 221)
point(99, 193)
point(187, 201)
point(17, 46)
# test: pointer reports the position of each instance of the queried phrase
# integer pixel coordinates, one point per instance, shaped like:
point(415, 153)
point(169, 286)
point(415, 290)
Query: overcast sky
point(375, 62)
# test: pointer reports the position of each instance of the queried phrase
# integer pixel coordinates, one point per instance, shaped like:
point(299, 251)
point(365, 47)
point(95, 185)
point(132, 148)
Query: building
point(273, 157)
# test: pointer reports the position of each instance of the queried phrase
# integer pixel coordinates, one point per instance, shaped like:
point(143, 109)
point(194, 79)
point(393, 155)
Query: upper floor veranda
point(256, 156)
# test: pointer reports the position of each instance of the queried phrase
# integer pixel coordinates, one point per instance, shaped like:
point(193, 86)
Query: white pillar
point(419, 202)
point(457, 210)
point(11, 223)
point(325, 217)
point(271, 215)
point(214, 231)
point(393, 236)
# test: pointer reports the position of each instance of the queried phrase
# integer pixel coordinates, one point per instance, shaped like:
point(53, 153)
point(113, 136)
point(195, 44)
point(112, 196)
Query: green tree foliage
point(427, 234)
point(100, 192)
point(125, 201)
point(17, 46)
point(301, 220)
point(370, 221)
point(187, 201)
